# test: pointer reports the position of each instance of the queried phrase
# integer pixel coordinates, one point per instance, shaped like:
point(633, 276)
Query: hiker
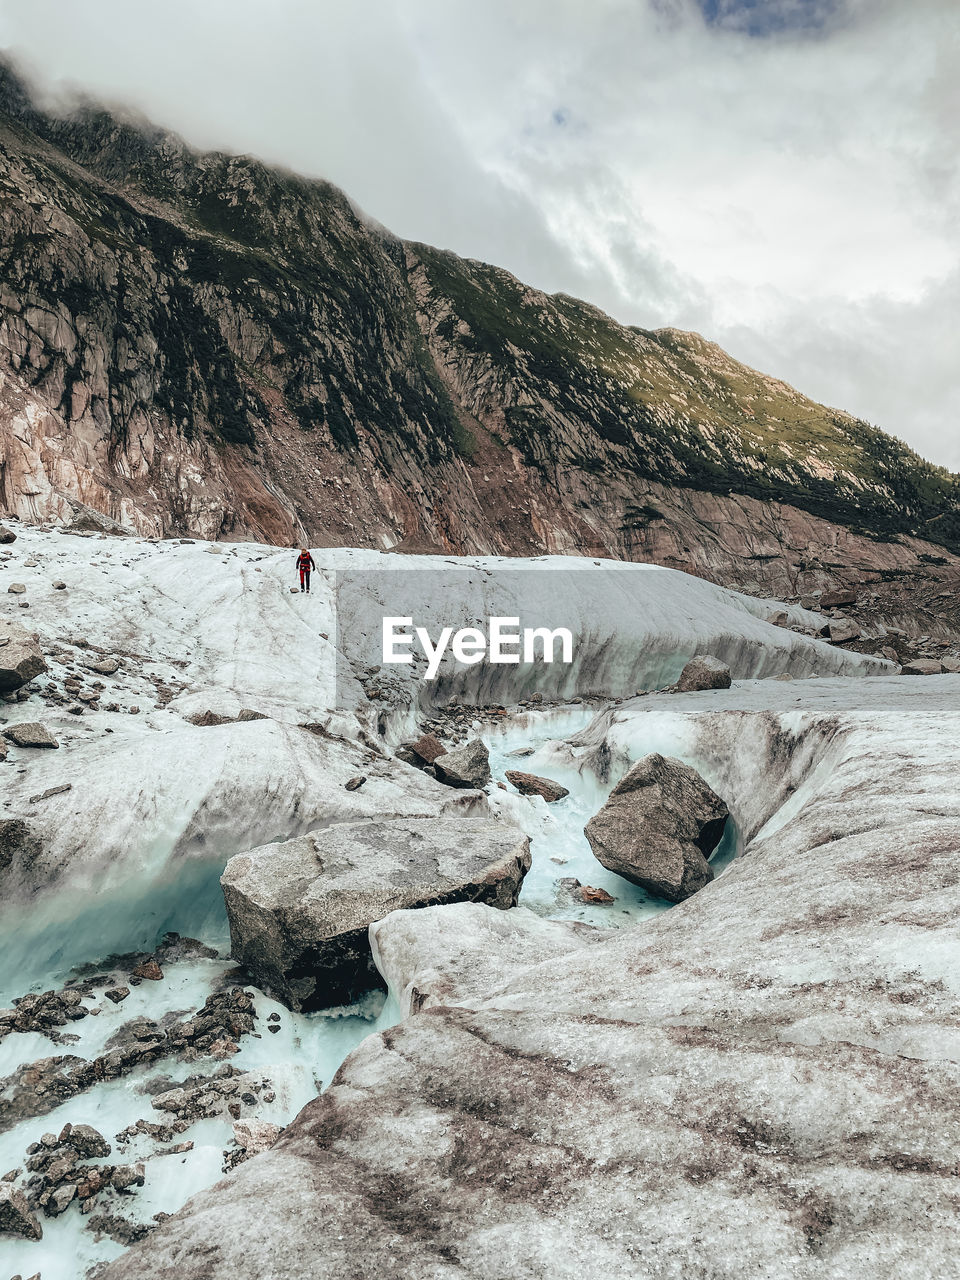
point(305, 564)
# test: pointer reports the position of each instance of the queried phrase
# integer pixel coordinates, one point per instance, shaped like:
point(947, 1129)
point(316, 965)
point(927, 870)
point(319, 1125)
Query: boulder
point(16, 1217)
point(60, 1199)
point(466, 766)
point(596, 897)
point(16, 589)
point(103, 666)
point(659, 827)
point(255, 1135)
point(20, 656)
point(421, 752)
point(530, 784)
point(841, 630)
point(126, 1176)
point(922, 667)
point(87, 520)
point(7, 535)
point(208, 718)
point(30, 734)
point(300, 910)
point(704, 672)
point(88, 1142)
point(951, 665)
point(838, 599)
point(428, 747)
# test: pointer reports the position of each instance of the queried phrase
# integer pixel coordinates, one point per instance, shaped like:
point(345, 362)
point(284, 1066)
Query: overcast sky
point(780, 175)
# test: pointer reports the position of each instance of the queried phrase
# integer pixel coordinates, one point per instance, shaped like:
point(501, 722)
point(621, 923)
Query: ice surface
point(558, 846)
point(157, 805)
point(298, 1061)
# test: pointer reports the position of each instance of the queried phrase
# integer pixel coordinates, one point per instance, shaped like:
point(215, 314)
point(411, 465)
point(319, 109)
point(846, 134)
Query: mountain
point(197, 343)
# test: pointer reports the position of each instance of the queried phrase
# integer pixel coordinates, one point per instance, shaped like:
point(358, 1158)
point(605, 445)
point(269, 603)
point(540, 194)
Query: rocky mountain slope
point(200, 344)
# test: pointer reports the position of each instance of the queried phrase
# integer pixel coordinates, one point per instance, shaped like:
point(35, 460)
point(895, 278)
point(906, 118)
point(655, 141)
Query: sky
point(782, 176)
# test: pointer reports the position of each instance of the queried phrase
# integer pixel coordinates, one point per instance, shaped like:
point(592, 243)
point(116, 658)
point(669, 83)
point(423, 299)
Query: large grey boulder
point(300, 910)
point(704, 672)
point(658, 827)
point(20, 656)
point(31, 734)
point(466, 766)
point(16, 1217)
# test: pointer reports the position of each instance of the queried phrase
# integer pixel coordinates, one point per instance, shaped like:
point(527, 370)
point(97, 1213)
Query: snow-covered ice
point(156, 804)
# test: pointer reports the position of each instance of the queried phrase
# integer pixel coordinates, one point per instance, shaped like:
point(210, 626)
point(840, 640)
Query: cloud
point(764, 18)
point(781, 176)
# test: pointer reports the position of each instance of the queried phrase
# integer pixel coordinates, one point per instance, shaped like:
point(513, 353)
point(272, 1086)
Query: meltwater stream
point(289, 1064)
point(560, 851)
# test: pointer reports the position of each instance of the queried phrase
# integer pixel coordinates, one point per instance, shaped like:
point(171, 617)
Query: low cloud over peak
point(781, 176)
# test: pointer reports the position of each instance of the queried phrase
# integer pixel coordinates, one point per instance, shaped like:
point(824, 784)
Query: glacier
point(157, 804)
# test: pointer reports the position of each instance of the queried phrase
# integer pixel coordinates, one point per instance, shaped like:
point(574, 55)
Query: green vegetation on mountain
point(207, 296)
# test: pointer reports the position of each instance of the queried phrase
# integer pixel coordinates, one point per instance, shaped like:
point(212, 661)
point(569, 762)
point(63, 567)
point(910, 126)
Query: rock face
point(300, 911)
point(466, 766)
point(658, 828)
point(530, 784)
point(400, 394)
point(704, 672)
point(20, 656)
